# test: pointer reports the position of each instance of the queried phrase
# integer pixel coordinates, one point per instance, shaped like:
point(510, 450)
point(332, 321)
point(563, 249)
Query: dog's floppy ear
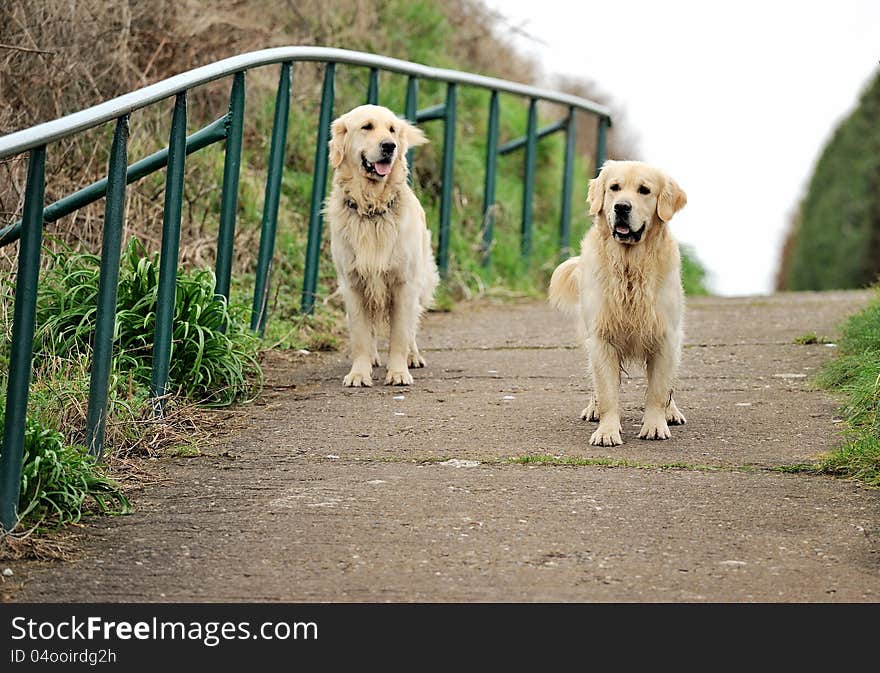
point(413, 135)
point(596, 194)
point(672, 199)
point(338, 129)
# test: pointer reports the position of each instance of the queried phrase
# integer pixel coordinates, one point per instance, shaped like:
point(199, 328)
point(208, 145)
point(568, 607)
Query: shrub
point(213, 355)
point(59, 482)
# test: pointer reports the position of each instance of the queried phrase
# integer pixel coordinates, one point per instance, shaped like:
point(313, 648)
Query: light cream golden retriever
point(379, 241)
point(626, 286)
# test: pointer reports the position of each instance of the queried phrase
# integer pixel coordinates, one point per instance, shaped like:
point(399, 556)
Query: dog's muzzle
point(621, 228)
point(380, 167)
point(624, 233)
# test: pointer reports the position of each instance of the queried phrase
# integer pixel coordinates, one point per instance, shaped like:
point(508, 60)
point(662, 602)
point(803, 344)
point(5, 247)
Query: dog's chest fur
point(631, 289)
point(369, 242)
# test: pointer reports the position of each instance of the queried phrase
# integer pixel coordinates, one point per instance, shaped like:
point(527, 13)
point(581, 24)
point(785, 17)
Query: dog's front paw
point(674, 416)
point(398, 378)
point(606, 436)
point(654, 427)
point(415, 361)
point(357, 380)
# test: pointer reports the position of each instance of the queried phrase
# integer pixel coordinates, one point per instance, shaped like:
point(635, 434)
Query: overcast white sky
point(734, 99)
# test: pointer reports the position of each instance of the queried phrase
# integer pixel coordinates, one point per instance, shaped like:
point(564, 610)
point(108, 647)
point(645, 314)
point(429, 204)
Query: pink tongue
point(382, 169)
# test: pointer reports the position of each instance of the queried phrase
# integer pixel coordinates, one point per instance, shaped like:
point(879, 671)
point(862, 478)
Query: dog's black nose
point(622, 208)
point(388, 147)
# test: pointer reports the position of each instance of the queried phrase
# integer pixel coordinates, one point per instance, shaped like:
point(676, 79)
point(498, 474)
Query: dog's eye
point(615, 188)
point(391, 129)
point(367, 127)
point(644, 190)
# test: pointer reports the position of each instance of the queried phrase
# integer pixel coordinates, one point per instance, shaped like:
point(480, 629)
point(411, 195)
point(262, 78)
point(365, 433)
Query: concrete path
point(322, 493)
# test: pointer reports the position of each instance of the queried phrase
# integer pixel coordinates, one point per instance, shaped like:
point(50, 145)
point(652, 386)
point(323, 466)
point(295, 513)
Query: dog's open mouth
point(626, 234)
point(380, 168)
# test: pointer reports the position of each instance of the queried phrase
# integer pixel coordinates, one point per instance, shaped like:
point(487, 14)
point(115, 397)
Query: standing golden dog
point(380, 242)
point(626, 286)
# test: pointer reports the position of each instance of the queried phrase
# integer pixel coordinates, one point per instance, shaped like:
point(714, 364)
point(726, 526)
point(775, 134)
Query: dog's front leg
point(605, 365)
point(404, 311)
point(661, 373)
point(362, 343)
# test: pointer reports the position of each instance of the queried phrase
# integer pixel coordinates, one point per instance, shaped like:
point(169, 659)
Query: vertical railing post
point(319, 189)
point(373, 87)
point(167, 289)
point(567, 177)
point(601, 140)
point(21, 351)
point(449, 120)
point(111, 248)
point(270, 204)
point(489, 184)
point(529, 181)
point(410, 112)
point(229, 196)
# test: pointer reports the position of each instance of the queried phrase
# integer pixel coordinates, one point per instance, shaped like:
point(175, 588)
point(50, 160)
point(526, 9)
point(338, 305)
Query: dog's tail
point(565, 285)
point(432, 277)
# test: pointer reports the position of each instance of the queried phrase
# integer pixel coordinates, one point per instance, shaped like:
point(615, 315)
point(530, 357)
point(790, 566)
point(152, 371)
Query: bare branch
point(12, 47)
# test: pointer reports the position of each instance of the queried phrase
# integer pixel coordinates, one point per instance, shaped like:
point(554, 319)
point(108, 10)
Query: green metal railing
point(229, 128)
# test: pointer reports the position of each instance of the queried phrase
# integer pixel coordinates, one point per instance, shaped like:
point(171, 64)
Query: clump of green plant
point(60, 482)
point(809, 339)
point(214, 357)
point(693, 273)
point(855, 373)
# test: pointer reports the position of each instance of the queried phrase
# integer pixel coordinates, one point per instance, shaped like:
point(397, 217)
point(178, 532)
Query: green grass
point(855, 374)
point(60, 482)
point(546, 459)
point(213, 358)
point(186, 451)
point(810, 338)
point(693, 274)
point(549, 460)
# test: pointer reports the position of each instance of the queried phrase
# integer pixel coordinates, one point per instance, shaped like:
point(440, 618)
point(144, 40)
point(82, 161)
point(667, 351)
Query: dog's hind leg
point(673, 415)
point(377, 361)
point(414, 359)
point(591, 413)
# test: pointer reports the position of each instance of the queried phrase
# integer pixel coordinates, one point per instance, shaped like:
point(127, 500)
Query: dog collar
point(370, 212)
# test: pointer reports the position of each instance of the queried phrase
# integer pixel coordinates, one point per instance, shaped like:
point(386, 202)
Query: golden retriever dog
point(626, 286)
point(379, 241)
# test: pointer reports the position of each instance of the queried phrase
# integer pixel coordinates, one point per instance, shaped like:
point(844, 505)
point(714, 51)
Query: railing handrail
point(26, 139)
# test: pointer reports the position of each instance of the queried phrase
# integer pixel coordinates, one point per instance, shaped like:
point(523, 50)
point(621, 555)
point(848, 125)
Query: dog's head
point(372, 141)
point(634, 197)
